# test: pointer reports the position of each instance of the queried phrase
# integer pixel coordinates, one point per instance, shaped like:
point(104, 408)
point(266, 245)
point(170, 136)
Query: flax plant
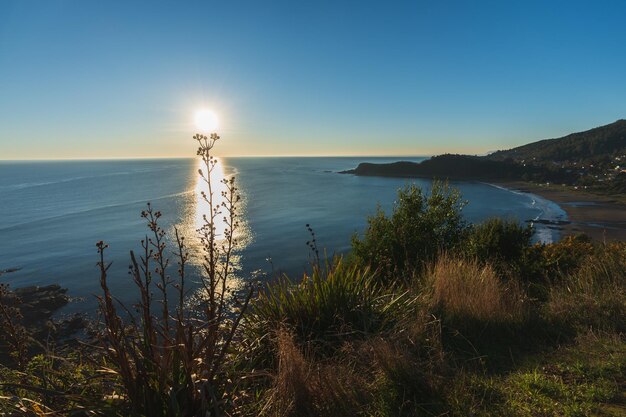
point(170, 361)
point(336, 301)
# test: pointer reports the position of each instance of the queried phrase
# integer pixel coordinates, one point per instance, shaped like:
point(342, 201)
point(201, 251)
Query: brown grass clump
point(291, 391)
point(305, 387)
point(465, 288)
point(594, 295)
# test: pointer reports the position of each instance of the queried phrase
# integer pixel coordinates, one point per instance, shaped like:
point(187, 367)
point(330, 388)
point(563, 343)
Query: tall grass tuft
point(465, 288)
point(594, 295)
point(304, 387)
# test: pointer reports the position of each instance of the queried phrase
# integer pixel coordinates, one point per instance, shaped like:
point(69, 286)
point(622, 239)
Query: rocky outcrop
point(37, 306)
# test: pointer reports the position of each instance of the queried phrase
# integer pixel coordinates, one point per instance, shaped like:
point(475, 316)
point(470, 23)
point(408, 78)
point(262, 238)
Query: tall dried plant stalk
point(170, 362)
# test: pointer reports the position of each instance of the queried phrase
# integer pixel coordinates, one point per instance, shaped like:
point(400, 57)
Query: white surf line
point(538, 203)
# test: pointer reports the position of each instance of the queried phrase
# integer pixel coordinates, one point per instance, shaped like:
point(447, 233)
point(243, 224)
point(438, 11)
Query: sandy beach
point(599, 216)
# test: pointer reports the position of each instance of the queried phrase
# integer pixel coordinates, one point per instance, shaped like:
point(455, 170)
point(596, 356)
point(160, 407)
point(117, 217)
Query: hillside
point(591, 159)
point(594, 144)
point(447, 166)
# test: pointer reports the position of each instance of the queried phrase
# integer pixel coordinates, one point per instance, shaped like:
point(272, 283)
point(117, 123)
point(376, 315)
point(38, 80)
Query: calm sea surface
point(53, 213)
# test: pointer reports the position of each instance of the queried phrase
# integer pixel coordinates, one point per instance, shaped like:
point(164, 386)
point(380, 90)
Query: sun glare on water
point(197, 210)
point(206, 121)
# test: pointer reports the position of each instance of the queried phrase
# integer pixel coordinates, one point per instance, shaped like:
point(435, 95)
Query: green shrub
point(419, 227)
point(565, 256)
point(55, 383)
point(501, 242)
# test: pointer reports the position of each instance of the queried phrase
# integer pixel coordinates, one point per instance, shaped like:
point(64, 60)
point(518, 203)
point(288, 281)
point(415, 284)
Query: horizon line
point(129, 158)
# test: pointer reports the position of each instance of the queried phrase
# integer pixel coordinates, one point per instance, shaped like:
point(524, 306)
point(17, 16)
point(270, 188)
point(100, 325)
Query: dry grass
point(465, 288)
point(305, 387)
point(594, 295)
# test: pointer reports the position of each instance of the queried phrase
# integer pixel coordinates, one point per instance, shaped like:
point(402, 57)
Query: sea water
point(52, 213)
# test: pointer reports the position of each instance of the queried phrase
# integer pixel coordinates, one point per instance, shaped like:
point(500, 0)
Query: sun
point(206, 121)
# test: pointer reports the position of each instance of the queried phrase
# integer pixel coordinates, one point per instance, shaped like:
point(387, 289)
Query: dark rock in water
point(70, 327)
point(37, 306)
point(8, 271)
point(40, 303)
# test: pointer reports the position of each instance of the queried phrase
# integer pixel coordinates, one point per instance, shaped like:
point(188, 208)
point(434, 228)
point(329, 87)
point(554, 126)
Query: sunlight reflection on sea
point(196, 214)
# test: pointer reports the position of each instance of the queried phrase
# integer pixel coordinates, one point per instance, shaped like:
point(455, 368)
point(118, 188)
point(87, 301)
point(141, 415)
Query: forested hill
point(447, 166)
point(592, 145)
point(595, 158)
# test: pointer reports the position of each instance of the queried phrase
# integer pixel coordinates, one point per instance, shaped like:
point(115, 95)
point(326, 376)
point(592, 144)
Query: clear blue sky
point(90, 78)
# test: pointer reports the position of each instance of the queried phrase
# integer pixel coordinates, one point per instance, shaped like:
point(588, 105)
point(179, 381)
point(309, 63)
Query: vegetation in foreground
point(428, 316)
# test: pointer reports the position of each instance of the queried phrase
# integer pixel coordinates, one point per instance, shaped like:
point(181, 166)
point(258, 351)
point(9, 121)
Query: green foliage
point(565, 256)
point(14, 339)
point(419, 227)
point(576, 381)
point(497, 240)
point(56, 383)
point(334, 302)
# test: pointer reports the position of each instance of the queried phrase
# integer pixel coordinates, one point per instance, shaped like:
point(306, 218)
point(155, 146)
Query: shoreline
point(600, 217)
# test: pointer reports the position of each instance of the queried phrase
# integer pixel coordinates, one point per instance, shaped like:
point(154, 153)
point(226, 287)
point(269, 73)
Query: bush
point(56, 383)
point(500, 242)
point(565, 256)
point(419, 227)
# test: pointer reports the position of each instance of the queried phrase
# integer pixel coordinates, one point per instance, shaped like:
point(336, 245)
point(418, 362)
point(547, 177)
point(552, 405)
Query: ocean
point(53, 212)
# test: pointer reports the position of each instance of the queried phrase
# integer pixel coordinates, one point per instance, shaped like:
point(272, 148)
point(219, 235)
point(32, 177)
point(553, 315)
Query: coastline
point(600, 217)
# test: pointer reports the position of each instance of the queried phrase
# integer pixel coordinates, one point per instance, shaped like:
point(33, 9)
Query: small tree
point(170, 361)
point(419, 227)
point(502, 242)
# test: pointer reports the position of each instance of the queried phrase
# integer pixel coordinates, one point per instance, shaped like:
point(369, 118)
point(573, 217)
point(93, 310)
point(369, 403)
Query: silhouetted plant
point(314, 253)
point(172, 363)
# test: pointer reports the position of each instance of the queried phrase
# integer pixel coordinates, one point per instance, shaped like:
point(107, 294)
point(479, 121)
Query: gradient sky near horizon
point(99, 79)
